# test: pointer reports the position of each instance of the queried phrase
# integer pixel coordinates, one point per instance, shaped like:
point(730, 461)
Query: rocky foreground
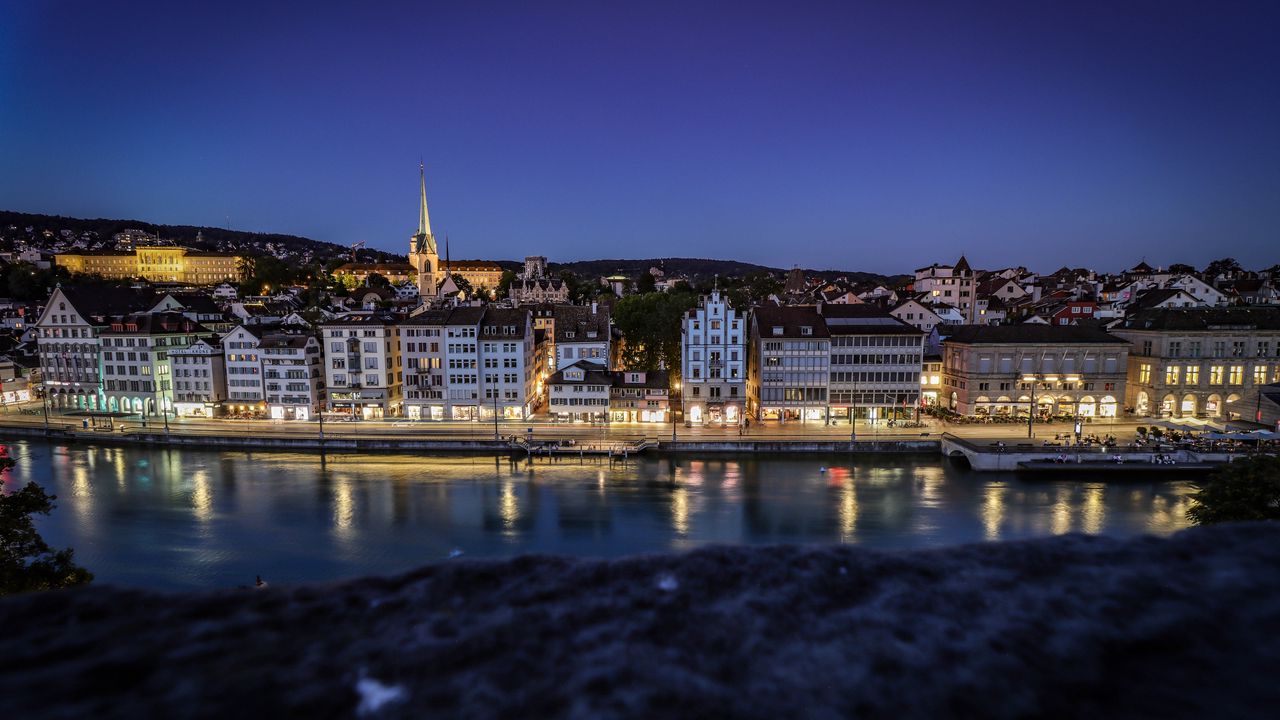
point(1070, 626)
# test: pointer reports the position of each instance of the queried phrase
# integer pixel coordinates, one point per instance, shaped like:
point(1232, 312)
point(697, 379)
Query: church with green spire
point(423, 255)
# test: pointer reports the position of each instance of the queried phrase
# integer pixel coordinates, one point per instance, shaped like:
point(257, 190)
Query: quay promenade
point(529, 435)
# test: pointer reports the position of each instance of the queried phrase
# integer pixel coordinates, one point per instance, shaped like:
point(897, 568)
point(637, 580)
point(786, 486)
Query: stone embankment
point(407, 442)
point(1072, 626)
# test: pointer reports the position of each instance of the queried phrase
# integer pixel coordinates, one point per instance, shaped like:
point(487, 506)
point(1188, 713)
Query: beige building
point(1200, 362)
point(1060, 370)
point(157, 264)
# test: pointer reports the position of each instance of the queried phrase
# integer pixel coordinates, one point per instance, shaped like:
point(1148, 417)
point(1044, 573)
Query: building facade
point(137, 369)
point(713, 363)
point(422, 352)
point(293, 380)
point(199, 379)
point(69, 346)
point(1200, 361)
point(639, 397)
point(1048, 370)
point(362, 365)
point(875, 364)
point(790, 363)
point(582, 333)
point(158, 264)
point(580, 392)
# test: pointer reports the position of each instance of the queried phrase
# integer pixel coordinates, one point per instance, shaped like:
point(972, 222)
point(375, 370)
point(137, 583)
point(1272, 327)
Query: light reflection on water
point(173, 519)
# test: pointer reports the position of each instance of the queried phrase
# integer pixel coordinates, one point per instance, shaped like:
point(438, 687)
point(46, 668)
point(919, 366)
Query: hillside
point(54, 233)
point(696, 269)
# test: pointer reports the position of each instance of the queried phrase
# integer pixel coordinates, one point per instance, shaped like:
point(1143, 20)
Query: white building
point(69, 346)
point(242, 363)
point(422, 352)
point(508, 363)
point(580, 392)
point(137, 370)
point(462, 363)
point(713, 362)
point(199, 379)
point(954, 285)
point(291, 370)
point(362, 368)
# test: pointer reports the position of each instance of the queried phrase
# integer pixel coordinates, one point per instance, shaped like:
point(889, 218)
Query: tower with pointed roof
point(423, 255)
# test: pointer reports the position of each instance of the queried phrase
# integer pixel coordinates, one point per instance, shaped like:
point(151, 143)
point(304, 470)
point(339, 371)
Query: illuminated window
point(1215, 375)
point(1260, 375)
point(1193, 375)
point(1144, 374)
point(1171, 375)
point(1237, 375)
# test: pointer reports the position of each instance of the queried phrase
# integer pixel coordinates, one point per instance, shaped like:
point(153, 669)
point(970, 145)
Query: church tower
point(422, 246)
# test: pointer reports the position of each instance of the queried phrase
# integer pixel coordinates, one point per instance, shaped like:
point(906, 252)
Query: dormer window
point(777, 329)
point(569, 334)
point(591, 333)
point(806, 330)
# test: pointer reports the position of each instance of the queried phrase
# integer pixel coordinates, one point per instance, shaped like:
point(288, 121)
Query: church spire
point(423, 240)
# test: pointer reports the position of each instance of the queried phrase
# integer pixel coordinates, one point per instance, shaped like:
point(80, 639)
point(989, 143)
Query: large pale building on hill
point(157, 264)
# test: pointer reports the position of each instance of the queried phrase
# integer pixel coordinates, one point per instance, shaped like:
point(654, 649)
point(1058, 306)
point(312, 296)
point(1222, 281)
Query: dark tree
point(374, 280)
point(1181, 269)
point(27, 563)
point(650, 326)
point(1247, 489)
point(647, 283)
point(1219, 267)
point(505, 283)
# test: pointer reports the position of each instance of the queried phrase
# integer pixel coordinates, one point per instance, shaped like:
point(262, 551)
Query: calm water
point(190, 519)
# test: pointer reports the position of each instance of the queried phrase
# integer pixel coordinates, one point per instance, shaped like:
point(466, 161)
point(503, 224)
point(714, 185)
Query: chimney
point(594, 305)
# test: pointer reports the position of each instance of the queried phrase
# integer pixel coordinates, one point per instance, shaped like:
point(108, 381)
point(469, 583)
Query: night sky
point(872, 136)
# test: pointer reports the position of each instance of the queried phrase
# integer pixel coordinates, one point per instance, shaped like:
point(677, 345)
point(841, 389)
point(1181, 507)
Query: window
point(1236, 376)
point(1171, 374)
point(1144, 373)
point(1215, 375)
point(1260, 375)
point(1193, 375)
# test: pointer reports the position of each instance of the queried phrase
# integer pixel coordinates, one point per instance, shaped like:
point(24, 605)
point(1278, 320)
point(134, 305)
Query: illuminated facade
point(713, 344)
point(1051, 370)
point(157, 264)
point(1201, 362)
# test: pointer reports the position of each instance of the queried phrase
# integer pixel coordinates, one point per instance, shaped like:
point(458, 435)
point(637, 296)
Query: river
point(181, 519)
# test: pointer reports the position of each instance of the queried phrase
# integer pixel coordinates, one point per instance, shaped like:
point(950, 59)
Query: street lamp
point(672, 409)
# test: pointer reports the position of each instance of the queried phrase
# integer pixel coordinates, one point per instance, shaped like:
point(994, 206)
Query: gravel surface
point(1072, 626)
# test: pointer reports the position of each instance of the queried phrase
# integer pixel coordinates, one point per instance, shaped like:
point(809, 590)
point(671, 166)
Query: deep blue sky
point(876, 136)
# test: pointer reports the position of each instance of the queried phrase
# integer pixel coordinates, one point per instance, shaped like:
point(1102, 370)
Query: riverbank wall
point(454, 445)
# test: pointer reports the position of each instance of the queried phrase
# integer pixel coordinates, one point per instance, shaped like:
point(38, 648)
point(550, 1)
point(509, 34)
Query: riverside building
point(789, 369)
point(1200, 362)
point(1048, 370)
point(875, 363)
point(713, 363)
point(362, 365)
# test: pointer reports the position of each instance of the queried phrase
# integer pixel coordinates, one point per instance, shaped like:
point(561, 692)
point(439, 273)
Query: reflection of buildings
point(1200, 362)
